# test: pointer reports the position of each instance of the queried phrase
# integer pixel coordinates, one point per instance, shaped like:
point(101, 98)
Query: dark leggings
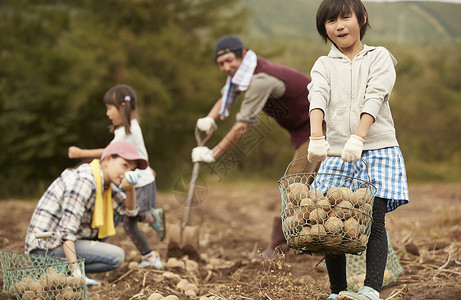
point(146, 199)
point(376, 254)
point(130, 224)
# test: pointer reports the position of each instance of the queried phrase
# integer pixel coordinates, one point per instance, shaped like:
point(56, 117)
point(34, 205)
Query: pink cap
point(125, 150)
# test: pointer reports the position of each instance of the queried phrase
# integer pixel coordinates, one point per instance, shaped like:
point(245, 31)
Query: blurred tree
point(58, 59)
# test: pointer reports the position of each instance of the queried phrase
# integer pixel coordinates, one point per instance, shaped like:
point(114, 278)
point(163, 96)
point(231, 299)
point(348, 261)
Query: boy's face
point(344, 31)
point(228, 63)
point(116, 168)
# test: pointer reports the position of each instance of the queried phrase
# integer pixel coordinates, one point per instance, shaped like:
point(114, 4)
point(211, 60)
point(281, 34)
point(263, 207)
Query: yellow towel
point(103, 214)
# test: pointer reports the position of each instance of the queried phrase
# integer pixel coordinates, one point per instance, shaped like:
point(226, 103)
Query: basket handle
point(330, 155)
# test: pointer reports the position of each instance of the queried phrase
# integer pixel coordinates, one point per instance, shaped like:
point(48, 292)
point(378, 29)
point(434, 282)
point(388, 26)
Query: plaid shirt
point(386, 171)
point(66, 208)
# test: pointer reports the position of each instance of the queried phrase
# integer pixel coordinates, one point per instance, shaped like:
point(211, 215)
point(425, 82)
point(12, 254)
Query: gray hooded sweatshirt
point(344, 89)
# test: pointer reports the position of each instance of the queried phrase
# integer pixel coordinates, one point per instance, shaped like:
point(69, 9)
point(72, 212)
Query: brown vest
point(292, 109)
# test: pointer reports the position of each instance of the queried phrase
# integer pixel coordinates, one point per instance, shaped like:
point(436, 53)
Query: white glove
point(353, 149)
point(206, 124)
point(202, 154)
point(88, 281)
point(131, 178)
point(318, 149)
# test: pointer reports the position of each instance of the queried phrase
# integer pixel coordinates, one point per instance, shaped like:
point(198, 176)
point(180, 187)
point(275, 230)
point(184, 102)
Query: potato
point(333, 240)
point(333, 225)
point(307, 204)
point(317, 216)
point(318, 232)
point(291, 225)
point(73, 282)
point(297, 191)
point(305, 236)
point(315, 194)
point(67, 293)
point(155, 296)
point(352, 246)
point(387, 276)
point(338, 194)
point(344, 210)
point(288, 209)
point(127, 186)
point(356, 282)
point(324, 204)
point(28, 295)
point(51, 279)
point(367, 208)
point(35, 286)
point(361, 196)
point(182, 285)
point(362, 229)
point(351, 228)
point(363, 218)
point(190, 293)
point(364, 240)
point(301, 215)
point(11, 289)
point(170, 297)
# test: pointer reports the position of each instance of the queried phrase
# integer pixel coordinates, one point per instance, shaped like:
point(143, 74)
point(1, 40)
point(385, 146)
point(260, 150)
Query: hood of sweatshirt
point(337, 54)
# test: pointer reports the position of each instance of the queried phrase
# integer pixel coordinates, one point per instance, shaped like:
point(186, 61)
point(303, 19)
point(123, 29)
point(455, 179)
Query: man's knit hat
point(228, 43)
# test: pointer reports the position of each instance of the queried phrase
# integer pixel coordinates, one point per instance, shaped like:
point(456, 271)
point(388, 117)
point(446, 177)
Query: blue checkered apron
point(386, 170)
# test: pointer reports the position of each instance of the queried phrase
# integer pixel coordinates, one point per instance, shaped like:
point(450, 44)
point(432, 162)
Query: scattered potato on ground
point(155, 296)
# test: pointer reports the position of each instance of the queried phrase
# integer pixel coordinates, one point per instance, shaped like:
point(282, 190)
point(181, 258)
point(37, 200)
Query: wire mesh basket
point(324, 212)
point(27, 276)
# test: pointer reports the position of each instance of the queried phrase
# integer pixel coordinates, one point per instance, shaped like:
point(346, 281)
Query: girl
point(74, 210)
point(350, 89)
point(120, 102)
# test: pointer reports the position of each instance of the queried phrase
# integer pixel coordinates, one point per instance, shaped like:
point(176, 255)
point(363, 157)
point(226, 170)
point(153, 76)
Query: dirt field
point(235, 220)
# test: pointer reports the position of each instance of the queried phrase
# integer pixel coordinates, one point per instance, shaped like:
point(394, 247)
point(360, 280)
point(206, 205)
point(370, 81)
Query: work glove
point(88, 281)
point(353, 149)
point(206, 124)
point(131, 178)
point(318, 149)
point(202, 154)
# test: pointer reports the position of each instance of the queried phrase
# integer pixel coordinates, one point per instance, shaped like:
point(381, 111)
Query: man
point(266, 85)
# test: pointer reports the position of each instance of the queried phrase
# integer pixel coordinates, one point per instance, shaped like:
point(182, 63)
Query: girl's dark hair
point(122, 94)
point(331, 9)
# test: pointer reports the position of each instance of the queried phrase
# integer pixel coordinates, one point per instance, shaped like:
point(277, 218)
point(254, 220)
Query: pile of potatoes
point(334, 222)
point(50, 285)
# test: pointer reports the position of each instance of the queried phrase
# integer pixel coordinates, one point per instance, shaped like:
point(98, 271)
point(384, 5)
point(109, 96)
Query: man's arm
point(214, 112)
point(231, 139)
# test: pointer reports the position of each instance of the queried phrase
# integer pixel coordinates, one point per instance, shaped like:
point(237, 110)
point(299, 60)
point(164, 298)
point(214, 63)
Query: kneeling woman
point(78, 208)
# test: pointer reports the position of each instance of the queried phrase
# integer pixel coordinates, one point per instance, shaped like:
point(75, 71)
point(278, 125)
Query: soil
point(235, 220)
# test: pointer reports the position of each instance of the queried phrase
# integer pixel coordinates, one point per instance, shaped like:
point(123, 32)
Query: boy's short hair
point(331, 9)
